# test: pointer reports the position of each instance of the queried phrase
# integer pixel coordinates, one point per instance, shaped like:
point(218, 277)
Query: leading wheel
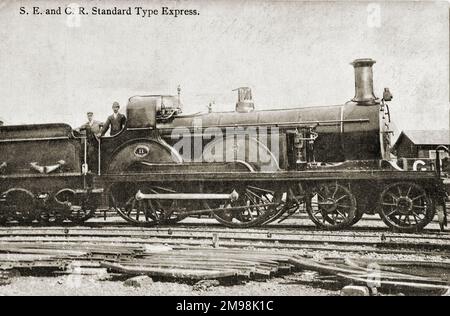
point(331, 206)
point(406, 207)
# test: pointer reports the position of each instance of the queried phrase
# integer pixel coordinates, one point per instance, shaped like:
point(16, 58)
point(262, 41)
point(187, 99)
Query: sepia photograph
point(225, 154)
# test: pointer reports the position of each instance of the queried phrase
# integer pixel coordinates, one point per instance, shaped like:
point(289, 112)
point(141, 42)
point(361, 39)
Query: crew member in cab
point(93, 126)
point(115, 122)
point(91, 129)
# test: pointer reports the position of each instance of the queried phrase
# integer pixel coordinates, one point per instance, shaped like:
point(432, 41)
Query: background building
point(420, 143)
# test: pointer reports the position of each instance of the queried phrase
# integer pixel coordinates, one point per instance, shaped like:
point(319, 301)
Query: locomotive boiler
point(245, 167)
point(349, 131)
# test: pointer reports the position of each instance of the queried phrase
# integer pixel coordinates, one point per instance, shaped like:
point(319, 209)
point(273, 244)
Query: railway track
point(193, 251)
point(278, 233)
point(212, 235)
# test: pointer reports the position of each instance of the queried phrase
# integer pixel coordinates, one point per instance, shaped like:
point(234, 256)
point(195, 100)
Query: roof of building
point(425, 137)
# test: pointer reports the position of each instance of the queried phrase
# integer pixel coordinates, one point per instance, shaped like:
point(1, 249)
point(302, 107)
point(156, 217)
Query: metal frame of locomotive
point(333, 161)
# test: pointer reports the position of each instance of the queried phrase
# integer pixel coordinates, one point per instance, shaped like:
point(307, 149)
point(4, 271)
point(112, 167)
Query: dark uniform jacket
point(116, 124)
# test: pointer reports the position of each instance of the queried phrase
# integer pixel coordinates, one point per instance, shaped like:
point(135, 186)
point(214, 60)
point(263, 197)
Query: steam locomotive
point(246, 168)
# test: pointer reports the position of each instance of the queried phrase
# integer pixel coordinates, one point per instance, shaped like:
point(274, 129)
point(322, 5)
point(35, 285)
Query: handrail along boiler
point(245, 168)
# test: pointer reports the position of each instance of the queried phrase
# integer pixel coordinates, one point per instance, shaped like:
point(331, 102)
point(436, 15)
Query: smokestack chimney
point(245, 101)
point(364, 82)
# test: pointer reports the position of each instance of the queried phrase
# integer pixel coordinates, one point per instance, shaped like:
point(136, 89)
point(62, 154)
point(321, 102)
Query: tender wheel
point(3, 220)
point(49, 217)
point(254, 207)
point(5, 214)
point(332, 206)
point(406, 207)
point(20, 205)
point(78, 210)
point(146, 212)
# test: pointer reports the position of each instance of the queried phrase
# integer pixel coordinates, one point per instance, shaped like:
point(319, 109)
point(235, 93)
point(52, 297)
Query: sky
point(291, 53)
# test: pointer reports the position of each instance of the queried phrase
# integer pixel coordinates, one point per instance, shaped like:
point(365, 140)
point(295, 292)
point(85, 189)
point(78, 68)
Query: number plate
point(141, 151)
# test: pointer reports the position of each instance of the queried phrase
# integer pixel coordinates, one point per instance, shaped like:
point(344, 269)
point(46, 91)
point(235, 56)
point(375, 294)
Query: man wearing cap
point(95, 127)
point(116, 121)
point(92, 130)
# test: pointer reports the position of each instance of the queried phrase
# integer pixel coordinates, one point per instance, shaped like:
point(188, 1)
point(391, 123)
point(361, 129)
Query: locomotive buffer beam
point(233, 196)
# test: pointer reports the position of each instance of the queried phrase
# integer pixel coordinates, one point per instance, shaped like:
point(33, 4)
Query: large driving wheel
point(331, 206)
point(147, 212)
point(253, 207)
point(283, 211)
point(406, 207)
point(291, 202)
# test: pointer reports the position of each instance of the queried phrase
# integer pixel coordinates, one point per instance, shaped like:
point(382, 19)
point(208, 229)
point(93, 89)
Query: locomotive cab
point(139, 146)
